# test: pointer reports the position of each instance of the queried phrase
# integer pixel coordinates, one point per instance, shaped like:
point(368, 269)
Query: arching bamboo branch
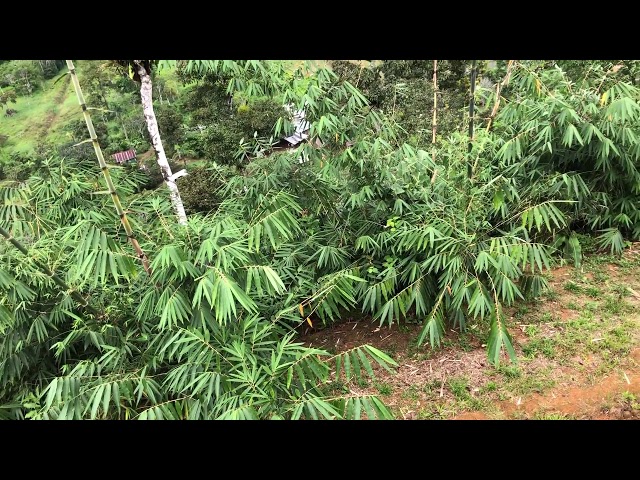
point(61, 283)
point(499, 87)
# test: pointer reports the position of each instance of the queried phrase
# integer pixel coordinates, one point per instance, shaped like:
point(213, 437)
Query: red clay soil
point(582, 386)
point(580, 402)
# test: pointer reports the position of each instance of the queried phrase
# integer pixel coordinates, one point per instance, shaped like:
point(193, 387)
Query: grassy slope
point(578, 350)
point(43, 115)
point(29, 126)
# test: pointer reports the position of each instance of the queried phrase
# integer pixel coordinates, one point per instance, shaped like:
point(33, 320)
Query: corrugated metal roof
point(296, 138)
point(300, 124)
point(121, 157)
point(299, 121)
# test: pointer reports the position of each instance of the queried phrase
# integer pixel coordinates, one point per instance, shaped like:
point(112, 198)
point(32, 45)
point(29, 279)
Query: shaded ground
point(578, 348)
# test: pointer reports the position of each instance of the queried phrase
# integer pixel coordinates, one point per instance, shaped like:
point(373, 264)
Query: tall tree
point(6, 97)
point(141, 70)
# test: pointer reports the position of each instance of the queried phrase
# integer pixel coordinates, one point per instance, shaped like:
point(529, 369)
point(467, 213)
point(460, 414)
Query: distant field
point(43, 115)
point(40, 116)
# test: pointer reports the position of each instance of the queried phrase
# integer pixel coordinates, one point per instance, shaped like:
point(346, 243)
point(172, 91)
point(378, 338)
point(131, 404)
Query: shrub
point(201, 189)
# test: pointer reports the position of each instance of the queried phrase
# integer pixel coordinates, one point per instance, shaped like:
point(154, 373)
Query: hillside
point(398, 239)
point(40, 117)
point(49, 115)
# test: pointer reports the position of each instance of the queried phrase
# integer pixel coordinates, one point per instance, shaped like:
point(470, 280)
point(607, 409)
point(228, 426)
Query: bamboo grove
point(354, 222)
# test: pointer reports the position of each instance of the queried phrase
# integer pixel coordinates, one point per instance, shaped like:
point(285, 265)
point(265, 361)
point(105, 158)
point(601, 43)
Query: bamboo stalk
point(105, 171)
point(61, 283)
point(504, 83)
point(471, 108)
point(435, 105)
point(435, 120)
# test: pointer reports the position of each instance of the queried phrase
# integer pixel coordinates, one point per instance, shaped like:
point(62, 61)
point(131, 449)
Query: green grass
point(531, 330)
point(527, 383)
point(620, 290)
point(540, 346)
point(28, 127)
point(384, 388)
point(630, 399)
point(572, 287)
point(490, 386)
point(521, 311)
point(411, 393)
point(600, 277)
point(463, 399)
point(552, 416)
point(603, 330)
point(459, 387)
point(546, 317)
point(615, 306)
point(593, 292)
point(464, 342)
point(432, 388)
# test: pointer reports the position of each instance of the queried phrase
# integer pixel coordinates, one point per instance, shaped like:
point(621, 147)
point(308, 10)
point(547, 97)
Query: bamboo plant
point(105, 170)
point(61, 283)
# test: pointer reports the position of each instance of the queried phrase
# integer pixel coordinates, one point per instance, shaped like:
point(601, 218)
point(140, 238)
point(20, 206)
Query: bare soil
point(53, 115)
point(578, 349)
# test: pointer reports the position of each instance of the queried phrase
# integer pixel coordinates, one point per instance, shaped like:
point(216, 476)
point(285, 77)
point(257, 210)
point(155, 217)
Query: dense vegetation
point(368, 216)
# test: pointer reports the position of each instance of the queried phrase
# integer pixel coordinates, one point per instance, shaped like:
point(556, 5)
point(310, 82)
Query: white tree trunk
point(146, 92)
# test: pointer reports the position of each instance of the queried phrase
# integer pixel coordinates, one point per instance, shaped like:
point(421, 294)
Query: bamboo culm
point(499, 87)
point(105, 170)
point(435, 104)
point(471, 108)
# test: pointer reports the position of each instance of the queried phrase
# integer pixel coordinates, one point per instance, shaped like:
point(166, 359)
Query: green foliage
point(77, 131)
point(608, 71)
point(580, 141)
point(201, 190)
point(18, 166)
point(24, 76)
point(151, 170)
point(219, 123)
point(356, 219)
point(187, 342)
point(7, 96)
point(403, 89)
point(170, 123)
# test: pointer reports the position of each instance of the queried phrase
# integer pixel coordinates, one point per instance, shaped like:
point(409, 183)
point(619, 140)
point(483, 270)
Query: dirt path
point(52, 115)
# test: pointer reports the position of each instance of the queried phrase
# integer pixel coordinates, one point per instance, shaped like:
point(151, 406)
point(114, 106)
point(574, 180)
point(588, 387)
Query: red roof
point(121, 157)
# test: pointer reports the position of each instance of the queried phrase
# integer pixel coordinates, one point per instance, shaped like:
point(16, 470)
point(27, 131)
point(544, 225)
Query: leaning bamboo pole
point(57, 280)
point(435, 119)
point(471, 113)
point(105, 170)
point(435, 105)
point(499, 87)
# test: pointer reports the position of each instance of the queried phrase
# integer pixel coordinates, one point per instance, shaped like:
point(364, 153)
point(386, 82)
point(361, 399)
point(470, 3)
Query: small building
point(301, 131)
point(301, 128)
point(124, 157)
